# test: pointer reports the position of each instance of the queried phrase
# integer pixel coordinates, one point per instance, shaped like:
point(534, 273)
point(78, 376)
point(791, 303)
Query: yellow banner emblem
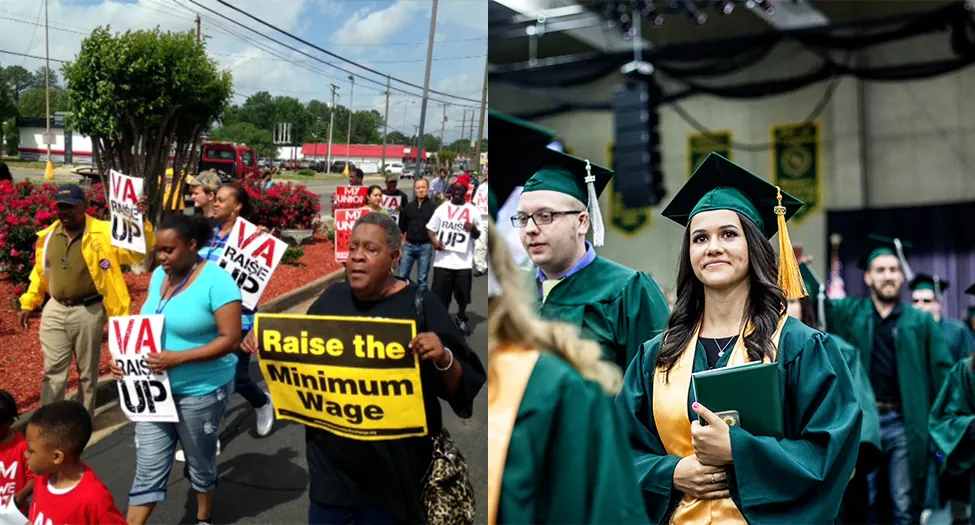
point(352, 376)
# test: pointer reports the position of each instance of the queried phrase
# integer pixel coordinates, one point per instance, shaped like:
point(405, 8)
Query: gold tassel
point(790, 280)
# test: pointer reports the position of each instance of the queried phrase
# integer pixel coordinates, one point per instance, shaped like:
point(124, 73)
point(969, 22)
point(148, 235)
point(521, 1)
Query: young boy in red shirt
point(16, 480)
point(66, 489)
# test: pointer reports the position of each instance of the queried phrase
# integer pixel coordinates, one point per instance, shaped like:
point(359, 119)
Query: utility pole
point(463, 128)
point(331, 124)
point(198, 28)
point(385, 125)
point(480, 125)
point(470, 140)
point(426, 81)
point(49, 173)
point(348, 146)
point(443, 128)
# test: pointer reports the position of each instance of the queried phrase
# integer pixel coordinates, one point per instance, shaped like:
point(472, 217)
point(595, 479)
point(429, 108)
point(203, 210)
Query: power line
point(329, 53)
point(25, 55)
point(34, 32)
point(317, 59)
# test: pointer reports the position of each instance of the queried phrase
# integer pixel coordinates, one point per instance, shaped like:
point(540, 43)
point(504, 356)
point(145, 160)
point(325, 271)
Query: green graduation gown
point(798, 479)
point(922, 359)
point(617, 307)
point(958, 337)
point(871, 445)
point(952, 413)
point(567, 460)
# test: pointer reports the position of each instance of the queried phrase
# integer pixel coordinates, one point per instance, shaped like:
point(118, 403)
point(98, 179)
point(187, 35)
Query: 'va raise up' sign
point(251, 258)
point(145, 396)
point(123, 199)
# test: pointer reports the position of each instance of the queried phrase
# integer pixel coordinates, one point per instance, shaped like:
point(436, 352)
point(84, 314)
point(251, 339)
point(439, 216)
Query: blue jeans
point(155, 445)
point(244, 385)
point(897, 475)
point(333, 515)
point(423, 254)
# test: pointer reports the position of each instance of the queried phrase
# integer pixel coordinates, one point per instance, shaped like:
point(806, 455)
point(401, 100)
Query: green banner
point(797, 166)
point(627, 220)
point(700, 145)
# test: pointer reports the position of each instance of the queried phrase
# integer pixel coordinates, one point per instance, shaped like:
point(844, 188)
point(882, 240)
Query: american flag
point(836, 288)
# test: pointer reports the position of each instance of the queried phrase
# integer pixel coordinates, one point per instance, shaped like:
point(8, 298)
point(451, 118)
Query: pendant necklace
point(726, 345)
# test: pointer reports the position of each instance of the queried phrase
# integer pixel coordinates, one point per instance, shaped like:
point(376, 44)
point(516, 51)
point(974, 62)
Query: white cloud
point(369, 27)
point(469, 14)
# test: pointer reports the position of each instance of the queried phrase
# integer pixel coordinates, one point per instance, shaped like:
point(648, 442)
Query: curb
point(106, 392)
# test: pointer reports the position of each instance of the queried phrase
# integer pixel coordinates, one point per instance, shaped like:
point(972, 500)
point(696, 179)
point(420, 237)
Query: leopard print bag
point(448, 495)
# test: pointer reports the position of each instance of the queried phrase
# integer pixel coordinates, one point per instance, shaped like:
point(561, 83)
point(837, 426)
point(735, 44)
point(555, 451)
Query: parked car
point(338, 166)
point(394, 168)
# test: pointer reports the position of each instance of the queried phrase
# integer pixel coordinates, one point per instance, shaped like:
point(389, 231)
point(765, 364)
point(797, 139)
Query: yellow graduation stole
point(674, 426)
point(511, 368)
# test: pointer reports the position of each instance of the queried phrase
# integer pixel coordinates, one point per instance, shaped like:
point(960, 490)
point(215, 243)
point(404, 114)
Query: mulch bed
point(22, 362)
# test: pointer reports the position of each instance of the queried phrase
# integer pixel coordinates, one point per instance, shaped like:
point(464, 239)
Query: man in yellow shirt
point(76, 264)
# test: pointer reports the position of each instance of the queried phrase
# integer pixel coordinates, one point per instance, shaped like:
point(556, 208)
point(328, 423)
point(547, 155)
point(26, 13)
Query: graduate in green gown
point(615, 306)
point(730, 311)
point(557, 453)
point(926, 293)
point(904, 353)
point(952, 427)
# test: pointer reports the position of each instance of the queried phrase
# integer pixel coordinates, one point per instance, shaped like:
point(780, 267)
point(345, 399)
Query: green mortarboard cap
point(971, 310)
point(878, 245)
point(719, 184)
point(513, 141)
point(923, 281)
point(563, 173)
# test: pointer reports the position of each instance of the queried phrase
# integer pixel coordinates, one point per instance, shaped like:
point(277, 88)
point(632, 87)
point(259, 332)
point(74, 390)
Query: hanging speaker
point(636, 157)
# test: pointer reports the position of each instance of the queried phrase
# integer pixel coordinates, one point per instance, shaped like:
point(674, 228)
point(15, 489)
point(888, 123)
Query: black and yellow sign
point(700, 145)
point(796, 165)
point(627, 220)
point(352, 376)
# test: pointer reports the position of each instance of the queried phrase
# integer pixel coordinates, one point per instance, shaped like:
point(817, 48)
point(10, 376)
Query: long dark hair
point(243, 198)
point(766, 301)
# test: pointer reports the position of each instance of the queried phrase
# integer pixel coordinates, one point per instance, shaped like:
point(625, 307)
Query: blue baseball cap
point(70, 194)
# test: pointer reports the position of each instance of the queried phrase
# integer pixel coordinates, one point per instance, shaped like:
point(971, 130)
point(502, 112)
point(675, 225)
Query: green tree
point(37, 79)
point(395, 137)
point(143, 96)
point(258, 109)
point(247, 133)
point(11, 137)
point(33, 102)
point(18, 78)
point(318, 115)
point(430, 143)
point(291, 110)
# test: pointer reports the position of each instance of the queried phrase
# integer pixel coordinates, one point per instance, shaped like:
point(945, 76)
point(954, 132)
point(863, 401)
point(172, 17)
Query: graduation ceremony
point(731, 262)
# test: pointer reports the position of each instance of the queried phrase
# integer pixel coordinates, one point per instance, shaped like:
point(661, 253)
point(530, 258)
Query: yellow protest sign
point(352, 376)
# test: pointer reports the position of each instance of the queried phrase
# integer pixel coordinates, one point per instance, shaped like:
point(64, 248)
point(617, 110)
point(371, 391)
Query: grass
point(14, 162)
point(318, 176)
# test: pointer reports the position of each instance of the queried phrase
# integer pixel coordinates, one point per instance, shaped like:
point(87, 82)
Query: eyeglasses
point(923, 301)
point(540, 217)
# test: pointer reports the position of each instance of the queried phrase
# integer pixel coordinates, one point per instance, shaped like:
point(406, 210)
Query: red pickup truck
point(232, 161)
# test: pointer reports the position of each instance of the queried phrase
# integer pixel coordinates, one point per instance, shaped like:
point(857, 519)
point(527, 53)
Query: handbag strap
point(511, 369)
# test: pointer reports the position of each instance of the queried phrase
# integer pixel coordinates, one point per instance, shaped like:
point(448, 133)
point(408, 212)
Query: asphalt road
point(265, 480)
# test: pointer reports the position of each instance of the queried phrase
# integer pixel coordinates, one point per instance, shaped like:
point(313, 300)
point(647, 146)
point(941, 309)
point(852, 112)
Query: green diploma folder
point(748, 396)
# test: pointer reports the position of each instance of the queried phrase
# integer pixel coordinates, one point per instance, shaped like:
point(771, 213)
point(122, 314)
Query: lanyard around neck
point(162, 303)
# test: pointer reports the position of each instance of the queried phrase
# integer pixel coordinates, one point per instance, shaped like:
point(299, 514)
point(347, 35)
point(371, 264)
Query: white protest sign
point(452, 234)
point(251, 258)
point(10, 514)
point(393, 204)
point(123, 199)
point(481, 199)
point(145, 396)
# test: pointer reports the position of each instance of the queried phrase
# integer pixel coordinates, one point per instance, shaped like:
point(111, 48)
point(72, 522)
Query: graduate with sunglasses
point(926, 293)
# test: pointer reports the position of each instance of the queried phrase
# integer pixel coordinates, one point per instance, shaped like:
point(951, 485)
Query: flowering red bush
point(283, 207)
point(26, 209)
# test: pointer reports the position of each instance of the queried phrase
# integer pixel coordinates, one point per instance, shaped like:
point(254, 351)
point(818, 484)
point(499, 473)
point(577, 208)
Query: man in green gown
point(926, 293)
point(617, 307)
point(904, 353)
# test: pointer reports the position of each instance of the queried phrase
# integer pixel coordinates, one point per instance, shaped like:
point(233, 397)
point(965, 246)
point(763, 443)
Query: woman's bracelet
point(450, 364)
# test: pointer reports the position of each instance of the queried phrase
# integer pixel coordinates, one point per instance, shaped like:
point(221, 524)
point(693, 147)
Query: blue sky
point(389, 36)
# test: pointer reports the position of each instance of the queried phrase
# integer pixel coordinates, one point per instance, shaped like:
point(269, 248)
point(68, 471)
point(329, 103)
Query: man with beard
point(615, 306)
point(904, 352)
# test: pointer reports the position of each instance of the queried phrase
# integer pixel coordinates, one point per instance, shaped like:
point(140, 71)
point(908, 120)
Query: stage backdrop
point(944, 244)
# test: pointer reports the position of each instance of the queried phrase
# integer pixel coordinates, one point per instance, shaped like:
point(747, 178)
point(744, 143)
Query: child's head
point(8, 412)
point(56, 435)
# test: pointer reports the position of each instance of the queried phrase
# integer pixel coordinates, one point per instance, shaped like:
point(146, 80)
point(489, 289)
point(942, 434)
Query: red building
point(361, 154)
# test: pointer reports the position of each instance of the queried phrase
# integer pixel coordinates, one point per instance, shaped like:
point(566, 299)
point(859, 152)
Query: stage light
point(725, 6)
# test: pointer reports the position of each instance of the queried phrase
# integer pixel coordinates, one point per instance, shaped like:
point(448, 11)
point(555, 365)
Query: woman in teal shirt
point(202, 309)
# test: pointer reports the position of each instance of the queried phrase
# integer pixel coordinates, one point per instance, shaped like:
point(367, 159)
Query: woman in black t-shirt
point(354, 481)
